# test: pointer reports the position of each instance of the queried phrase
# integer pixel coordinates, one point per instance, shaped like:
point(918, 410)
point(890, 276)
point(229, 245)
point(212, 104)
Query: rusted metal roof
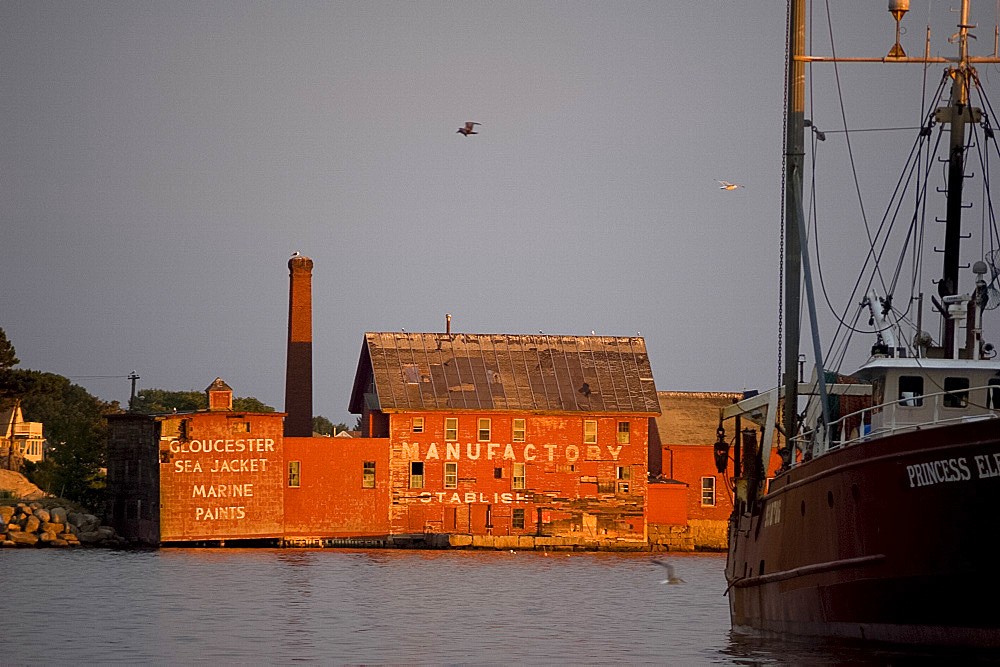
point(401, 371)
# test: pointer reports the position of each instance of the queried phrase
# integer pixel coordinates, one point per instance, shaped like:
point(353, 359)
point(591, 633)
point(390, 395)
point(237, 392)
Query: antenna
point(897, 8)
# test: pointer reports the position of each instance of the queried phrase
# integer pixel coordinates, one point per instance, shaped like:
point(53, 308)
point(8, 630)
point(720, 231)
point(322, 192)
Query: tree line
point(75, 426)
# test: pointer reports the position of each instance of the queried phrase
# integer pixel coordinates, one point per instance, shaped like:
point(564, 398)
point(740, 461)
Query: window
point(708, 491)
point(958, 392)
point(624, 478)
point(993, 394)
point(293, 473)
point(517, 518)
point(484, 430)
point(518, 434)
point(451, 428)
point(451, 475)
point(416, 474)
point(418, 424)
point(368, 476)
point(623, 435)
point(911, 391)
point(589, 432)
point(517, 478)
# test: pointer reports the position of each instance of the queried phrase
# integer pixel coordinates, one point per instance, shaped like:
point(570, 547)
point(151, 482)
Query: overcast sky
point(162, 160)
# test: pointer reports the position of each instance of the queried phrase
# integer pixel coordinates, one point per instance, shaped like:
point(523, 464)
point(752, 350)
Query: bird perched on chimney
point(295, 254)
point(468, 129)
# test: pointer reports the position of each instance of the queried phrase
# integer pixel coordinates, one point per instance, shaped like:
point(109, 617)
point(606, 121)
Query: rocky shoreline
point(30, 524)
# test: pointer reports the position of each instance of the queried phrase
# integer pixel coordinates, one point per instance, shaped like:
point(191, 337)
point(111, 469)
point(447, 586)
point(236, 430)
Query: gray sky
point(161, 161)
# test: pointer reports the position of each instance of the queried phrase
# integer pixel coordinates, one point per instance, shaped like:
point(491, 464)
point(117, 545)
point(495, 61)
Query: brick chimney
point(298, 369)
point(220, 395)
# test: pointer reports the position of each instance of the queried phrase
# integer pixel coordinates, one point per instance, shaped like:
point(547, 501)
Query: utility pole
point(133, 377)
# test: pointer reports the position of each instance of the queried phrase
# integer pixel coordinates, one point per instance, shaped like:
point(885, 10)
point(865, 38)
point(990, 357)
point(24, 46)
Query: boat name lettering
point(942, 470)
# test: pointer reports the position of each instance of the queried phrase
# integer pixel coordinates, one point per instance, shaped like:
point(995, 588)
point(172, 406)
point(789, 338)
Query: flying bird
point(671, 578)
point(726, 185)
point(468, 129)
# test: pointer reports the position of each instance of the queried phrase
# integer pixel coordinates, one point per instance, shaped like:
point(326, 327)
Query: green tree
point(158, 401)
point(324, 426)
point(75, 428)
point(8, 359)
point(250, 404)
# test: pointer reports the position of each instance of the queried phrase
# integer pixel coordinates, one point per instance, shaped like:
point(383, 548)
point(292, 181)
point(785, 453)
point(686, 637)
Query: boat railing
point(909, 413)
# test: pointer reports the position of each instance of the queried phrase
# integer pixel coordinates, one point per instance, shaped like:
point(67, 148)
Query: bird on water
point(671, 577)
point(468, 129)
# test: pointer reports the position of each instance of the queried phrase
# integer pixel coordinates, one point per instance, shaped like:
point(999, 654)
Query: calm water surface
point(381, 606)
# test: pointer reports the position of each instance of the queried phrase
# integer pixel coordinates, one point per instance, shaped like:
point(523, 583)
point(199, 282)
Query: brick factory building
point(507, 435)
point(489, 440)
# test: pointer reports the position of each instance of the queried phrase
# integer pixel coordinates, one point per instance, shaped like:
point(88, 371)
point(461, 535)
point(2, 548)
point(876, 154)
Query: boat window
point(958, 394)
point(993, 395)
point(911, 390)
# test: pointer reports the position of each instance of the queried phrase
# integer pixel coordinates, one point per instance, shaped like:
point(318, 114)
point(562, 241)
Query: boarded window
point(517, 478)
point(368, 475)
point(518, 431)
point(589, 432)
point(416, 474)
point(451, 475)
point(451, 429)
point(517, 518)
point(293, 473)
point(624, 478)
point(623, 433)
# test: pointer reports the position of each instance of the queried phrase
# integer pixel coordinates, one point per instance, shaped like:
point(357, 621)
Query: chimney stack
point(298, 368)
point(447, 324)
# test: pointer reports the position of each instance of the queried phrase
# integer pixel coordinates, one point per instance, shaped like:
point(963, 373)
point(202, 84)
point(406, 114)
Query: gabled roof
point(400, 372)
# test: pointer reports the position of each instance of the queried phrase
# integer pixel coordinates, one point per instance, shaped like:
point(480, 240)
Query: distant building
point(19, 438)
point(690, 499)
point(506, 435)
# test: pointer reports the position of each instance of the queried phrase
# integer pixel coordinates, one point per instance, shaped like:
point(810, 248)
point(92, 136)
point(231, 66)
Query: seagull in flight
point(468, 129)
point(671, 578)
point(726, 185)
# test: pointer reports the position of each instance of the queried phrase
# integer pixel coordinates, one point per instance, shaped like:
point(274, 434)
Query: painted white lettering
point(468, 451)
point(491, 450)
point(411, 452)
point(508, 452)
point(572, 453)
point(454, 451)
point(552, 450)
point(507, 498)
point(529, 452)
point(425, 497)
point(432, 452)
point(593, 452)
point(470, 497)
point(614, 452)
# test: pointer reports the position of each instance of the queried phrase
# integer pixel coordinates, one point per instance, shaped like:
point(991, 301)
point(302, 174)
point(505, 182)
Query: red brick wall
point(221, 476)
point(330, 501)
point(571, 488)
point(667, 504)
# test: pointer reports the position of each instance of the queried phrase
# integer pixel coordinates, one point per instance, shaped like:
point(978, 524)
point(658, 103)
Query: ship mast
point(794, 160)
point(958, 113)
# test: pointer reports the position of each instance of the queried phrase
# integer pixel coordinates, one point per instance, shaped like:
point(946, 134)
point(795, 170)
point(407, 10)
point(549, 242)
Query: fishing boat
point(879, 523)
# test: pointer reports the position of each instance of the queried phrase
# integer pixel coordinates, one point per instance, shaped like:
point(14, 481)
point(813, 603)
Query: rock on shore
point(29, 524)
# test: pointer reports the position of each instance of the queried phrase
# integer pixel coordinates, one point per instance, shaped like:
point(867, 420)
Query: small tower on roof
point(220, 395)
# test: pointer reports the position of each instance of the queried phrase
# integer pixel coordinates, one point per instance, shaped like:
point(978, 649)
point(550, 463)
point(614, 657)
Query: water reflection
point(375, 606)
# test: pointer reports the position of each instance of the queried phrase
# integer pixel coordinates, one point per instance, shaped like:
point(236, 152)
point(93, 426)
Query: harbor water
point(383, 606)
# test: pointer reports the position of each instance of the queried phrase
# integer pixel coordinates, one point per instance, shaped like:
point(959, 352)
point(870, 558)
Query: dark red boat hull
point(889, 540)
